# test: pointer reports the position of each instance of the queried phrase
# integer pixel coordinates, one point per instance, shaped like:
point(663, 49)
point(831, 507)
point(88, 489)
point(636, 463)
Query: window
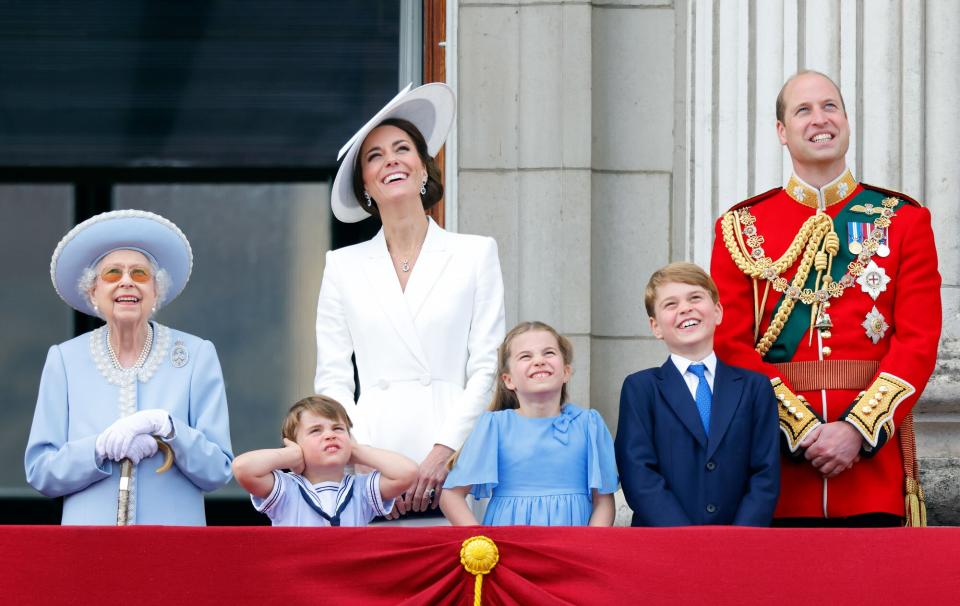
point(224, 117)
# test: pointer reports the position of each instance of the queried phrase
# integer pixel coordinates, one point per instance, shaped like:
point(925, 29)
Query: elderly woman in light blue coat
point(122, 390)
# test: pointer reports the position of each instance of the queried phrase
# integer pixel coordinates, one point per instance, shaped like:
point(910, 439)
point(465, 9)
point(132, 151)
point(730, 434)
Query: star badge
point(873, 280)
point(875, 325)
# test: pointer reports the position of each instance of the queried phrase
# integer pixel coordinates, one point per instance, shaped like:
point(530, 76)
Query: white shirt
point(691, 379)
point(286, 504)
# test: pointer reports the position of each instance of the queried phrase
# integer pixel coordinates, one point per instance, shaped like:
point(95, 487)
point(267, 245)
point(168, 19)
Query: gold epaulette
point(872, 411)
point(797, 419)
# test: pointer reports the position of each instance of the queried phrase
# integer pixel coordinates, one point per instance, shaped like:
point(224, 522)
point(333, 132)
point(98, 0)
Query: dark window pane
point(33, 218)
point(195, 83)
point(258, 260)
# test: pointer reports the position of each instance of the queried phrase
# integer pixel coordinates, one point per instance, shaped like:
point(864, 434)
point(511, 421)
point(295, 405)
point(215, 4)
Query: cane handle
point(167, 455)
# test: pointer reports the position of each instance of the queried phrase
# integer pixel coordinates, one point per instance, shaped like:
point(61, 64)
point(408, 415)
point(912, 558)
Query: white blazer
point(426, 356)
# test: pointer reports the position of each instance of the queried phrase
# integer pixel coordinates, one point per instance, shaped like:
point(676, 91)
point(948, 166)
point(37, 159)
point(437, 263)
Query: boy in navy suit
point(697, 441)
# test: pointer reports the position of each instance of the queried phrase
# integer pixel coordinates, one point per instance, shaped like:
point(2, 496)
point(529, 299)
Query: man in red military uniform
point(830, 287)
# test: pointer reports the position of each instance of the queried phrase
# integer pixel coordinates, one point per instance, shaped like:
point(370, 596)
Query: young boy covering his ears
point(317, 490)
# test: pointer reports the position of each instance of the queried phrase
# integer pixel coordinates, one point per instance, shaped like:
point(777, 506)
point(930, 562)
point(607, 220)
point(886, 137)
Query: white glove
point(142, 447)
point(114, 442)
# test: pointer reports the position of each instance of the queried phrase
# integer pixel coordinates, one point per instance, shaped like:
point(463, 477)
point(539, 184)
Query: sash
point(798, 323)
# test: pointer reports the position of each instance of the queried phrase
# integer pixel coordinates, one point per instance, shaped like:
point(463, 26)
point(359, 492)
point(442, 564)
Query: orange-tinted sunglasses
point(141, 275)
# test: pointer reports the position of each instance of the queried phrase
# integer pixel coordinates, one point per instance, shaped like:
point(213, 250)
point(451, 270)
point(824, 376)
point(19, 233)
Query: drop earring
point(367, 198)
point(423, 186)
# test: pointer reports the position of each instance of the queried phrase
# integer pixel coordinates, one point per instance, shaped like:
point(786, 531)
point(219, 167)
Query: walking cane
point(126, 471)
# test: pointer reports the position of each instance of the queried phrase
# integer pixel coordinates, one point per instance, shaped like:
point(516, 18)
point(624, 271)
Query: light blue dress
point(82, 393)
point(537, 472)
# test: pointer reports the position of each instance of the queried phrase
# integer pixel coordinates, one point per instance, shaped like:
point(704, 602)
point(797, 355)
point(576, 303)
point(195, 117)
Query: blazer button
point(424, 380)
point(383, 384)
point(711, 465)
point(711, 508)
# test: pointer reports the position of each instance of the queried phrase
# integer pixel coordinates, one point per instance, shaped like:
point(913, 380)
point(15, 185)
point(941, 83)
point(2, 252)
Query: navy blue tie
point(704, 396)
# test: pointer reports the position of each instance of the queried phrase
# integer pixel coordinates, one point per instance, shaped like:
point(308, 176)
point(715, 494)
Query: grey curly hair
point(161, 280)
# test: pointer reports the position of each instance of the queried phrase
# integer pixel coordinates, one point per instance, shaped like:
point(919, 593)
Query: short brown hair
point(682, 273)
point(781, 107)
point(434, 183)
point(323, 406)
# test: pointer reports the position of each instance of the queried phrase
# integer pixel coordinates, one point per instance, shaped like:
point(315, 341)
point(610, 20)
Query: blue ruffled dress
point(537, 472)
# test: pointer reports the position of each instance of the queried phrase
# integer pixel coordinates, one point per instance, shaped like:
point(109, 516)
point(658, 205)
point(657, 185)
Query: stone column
point(938, 418)
point(632, 198)
point(524, 147)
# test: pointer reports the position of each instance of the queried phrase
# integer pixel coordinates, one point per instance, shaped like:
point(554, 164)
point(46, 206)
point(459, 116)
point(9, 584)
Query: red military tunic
point(878, 335)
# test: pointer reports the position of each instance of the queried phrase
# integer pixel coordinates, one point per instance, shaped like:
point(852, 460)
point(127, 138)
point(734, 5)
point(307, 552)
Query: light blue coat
point(82, 393)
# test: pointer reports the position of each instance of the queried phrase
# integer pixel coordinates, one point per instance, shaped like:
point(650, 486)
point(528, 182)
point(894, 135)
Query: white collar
point(683, 364)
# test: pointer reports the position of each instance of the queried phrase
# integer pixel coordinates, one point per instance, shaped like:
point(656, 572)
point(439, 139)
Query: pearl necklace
point(143, 352)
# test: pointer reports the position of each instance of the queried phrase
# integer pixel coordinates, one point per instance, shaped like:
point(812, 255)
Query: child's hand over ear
point(295, 454)
point(358, 457)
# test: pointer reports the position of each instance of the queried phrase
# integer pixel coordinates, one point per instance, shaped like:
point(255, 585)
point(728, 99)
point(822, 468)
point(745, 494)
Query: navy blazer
point(673, 474)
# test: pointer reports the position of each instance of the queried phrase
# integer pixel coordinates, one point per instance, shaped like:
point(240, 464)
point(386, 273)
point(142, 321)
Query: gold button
point(866, 410)
point(826, 334)
point(798, 414)
point(827, 351)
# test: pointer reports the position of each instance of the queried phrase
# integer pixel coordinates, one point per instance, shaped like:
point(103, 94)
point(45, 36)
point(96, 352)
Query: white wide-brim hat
point(430, 108)
point(156, 237)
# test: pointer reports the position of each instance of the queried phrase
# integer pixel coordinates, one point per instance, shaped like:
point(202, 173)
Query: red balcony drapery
point(246, 565)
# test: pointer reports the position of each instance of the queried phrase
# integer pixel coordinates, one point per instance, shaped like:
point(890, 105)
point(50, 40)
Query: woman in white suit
point(419, 307)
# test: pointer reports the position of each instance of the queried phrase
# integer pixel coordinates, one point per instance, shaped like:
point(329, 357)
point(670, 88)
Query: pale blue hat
point(84, 245)
point(430, 108)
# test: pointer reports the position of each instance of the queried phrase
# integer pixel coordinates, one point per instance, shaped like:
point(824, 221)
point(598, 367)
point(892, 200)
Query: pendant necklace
point(405, 261)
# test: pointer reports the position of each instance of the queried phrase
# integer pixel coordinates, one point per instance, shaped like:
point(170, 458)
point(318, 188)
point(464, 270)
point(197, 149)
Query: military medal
point(883, 248)
point(855, 237)
point(875, 325)
point(873, 280)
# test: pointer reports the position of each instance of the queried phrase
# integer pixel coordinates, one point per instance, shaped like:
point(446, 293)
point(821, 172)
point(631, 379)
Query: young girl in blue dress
point(541, 460)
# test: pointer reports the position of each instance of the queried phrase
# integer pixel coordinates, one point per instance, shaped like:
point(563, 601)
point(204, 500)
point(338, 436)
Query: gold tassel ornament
point(479, 555)
point(915, 505)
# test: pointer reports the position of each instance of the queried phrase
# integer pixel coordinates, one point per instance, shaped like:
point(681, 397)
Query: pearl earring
point(153, 310)
point(367, 197)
